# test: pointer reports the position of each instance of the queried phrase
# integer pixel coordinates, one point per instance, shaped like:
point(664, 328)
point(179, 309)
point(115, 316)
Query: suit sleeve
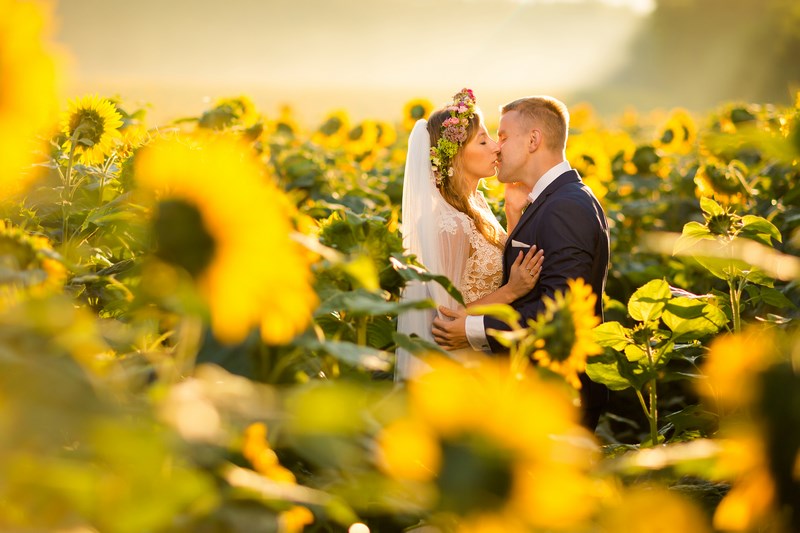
point(567, 232)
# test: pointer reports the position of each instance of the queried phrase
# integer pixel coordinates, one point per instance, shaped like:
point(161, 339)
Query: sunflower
point(414, 110)
point(286, 124)
point(483, 471)
point(679, 133)
point(564, 336)
point(257, 451)
point(333, 131)
point(651, 509)
point(28, 265)
point(221, 220)
point(733, 364)
point(362, 139)
point(725, 183)
point(93, 123)
point(228, 112)
point(589, 157)
point(28, 98)
point(387, 135)
point(582, 117)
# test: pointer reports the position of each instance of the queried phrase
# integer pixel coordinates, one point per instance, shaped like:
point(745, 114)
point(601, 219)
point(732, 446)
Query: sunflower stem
point(735, 291)
point(106, 166)
point(361, 331)
point(67, 190)
point(187, 345)
point(652, 411)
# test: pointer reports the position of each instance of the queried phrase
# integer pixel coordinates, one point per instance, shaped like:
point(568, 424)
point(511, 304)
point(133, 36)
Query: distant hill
point(696, 53)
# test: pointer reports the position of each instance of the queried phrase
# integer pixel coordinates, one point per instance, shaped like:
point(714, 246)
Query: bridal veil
point(431, 231)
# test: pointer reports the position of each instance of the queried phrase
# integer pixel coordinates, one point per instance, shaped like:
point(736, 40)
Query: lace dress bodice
point(483, 271)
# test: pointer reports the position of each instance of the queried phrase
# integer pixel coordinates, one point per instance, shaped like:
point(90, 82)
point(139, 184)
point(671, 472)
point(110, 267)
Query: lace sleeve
point(454, 237)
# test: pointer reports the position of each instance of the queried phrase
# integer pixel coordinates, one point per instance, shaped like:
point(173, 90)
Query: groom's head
point(532, 135)
point(545, 114)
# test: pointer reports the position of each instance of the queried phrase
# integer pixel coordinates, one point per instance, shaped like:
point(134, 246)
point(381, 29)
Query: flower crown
point(454, 133)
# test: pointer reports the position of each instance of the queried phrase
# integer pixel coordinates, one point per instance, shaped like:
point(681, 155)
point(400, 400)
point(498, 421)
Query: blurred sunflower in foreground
point(654, 509)
point(257, 451)
point(28, 98)
point(458, 443)
point(92, 127)
point(219, 218)
point(28, 265)
point(756, 392)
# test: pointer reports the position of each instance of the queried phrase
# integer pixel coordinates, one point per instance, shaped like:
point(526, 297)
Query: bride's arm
point(522, 278)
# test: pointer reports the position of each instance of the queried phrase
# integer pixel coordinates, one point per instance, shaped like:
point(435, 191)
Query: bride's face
point(479, 158)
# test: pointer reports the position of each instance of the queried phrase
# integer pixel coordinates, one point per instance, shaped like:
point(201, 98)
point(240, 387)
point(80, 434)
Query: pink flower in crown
point(462, 108)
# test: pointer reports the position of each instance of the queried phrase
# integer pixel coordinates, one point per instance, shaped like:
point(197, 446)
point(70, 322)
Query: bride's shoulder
point(453, 221)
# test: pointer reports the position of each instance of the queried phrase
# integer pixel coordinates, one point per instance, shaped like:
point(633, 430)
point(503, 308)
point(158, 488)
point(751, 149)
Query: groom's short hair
point(546, 112)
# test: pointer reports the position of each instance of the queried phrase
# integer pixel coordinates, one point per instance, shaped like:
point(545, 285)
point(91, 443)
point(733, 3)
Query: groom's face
point(512, 136)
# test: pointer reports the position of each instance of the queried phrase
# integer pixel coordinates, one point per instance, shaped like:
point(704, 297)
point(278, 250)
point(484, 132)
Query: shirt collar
point(548, 178)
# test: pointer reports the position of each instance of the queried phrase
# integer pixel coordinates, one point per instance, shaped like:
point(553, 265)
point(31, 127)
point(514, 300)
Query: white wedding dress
point(446, 241)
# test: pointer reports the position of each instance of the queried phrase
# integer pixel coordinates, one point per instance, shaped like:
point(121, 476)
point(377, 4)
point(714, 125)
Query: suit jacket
point(568, 223)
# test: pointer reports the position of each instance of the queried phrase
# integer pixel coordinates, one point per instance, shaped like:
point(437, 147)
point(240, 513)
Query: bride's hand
point(516, 196)
point(525, 272)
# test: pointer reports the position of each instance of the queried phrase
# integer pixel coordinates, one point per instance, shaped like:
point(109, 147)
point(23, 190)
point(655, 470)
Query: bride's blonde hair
point(453, 190)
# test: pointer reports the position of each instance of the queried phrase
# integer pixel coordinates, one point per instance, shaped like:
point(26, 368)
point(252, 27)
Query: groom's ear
point(535, 140)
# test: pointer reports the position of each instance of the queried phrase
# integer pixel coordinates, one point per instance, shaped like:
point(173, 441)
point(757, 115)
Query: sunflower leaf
point(648, 302)
point(693, 232)
point(710, 207)
point(692, 319)
point(361, 302)
point(354, 354)
point(411, 272)
point(612, 335)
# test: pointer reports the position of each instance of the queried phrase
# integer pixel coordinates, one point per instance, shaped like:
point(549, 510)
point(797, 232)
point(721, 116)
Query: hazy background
point(371, 56)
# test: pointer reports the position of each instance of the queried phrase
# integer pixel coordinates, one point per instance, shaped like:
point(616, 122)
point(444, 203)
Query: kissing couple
point(556, 228)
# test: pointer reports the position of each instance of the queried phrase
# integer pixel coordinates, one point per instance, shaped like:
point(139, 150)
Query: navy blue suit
point(568, 223)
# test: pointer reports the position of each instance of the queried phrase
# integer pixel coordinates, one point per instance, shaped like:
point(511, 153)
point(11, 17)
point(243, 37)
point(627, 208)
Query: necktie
point(524, 207)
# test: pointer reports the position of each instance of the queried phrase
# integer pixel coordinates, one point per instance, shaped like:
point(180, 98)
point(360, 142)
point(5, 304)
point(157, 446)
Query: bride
point(448, 225)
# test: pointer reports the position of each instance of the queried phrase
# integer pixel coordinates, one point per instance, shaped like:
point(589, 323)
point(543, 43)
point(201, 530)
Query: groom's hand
point(450, 332)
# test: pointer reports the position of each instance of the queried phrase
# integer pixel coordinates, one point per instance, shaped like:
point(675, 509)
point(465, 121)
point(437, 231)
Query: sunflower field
point(198, 326)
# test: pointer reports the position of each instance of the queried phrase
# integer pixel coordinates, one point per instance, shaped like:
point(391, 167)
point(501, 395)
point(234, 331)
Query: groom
point(563, 218)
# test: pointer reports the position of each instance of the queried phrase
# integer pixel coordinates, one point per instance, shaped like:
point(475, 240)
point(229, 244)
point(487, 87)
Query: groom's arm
point(567, 230)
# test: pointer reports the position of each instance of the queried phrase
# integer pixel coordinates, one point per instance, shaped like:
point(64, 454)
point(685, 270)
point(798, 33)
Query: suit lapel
point(567, 177)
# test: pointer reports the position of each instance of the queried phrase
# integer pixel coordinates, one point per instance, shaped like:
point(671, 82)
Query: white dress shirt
point(476, 333)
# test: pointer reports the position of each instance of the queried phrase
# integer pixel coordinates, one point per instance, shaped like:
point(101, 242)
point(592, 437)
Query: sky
point(367, 56)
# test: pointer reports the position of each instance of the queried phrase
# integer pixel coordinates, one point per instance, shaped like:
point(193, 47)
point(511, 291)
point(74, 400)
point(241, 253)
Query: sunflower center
point(723, 179)
point(181, 236)
point(88, 124)
point(561, 335)
point(476, 475)
point(417, 112)
point(720, 224)
point(331, 126)
point(356, 133)
point(14, 255)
